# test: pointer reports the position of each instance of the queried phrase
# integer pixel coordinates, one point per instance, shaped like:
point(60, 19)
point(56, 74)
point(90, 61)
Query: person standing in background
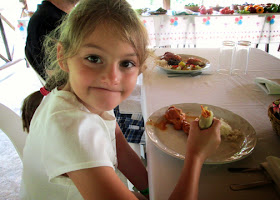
point(47, 17)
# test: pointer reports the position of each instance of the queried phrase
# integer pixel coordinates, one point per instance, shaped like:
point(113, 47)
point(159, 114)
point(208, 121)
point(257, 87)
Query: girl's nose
point(112, 74)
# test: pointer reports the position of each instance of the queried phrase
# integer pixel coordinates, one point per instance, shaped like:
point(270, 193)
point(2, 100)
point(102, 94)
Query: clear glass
point(241, 58)
point(226, 57)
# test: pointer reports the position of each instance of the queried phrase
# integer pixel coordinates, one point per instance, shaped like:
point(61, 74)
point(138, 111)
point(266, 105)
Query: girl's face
point(104, 71)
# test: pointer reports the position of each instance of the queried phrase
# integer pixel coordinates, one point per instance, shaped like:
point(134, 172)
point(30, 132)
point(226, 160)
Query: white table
point(238, 94)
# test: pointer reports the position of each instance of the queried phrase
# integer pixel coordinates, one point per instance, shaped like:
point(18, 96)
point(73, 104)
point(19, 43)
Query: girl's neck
point(102, 114)
point(106, 116)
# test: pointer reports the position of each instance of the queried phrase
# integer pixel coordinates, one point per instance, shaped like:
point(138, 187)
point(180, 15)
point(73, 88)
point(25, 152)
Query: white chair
point(11, 125)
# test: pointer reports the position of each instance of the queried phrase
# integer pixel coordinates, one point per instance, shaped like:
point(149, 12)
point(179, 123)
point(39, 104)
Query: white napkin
point(272, 166)
point(270, 86)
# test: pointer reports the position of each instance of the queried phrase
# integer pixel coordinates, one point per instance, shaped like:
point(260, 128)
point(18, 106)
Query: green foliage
point(191, 5)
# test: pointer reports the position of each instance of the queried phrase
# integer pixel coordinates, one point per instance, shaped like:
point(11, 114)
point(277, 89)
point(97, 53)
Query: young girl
point(74, 143)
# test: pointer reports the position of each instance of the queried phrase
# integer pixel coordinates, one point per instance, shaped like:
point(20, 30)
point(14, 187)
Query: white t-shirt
point(64, 136)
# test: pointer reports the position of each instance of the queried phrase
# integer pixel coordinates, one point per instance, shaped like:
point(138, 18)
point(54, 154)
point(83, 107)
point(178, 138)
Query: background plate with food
point(238, 136)
point(182, 63)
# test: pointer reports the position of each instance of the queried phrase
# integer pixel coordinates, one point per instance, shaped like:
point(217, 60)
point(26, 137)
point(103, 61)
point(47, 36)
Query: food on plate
point(181, 121)
point(243, 12)
point(238, 137)
point(176, 62)
point(176, 117)
point(226, 10)
point(229, 134)
point(170, 56)
point(226, 131)
point(195, 61)
point(205, 118)
point(225, 128)
point(186, 127)
point(210, 11)
point(202, 10)
point(205, 11)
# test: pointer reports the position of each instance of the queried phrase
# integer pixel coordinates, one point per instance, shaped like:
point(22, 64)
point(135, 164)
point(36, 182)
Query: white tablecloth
point(204, 29)
point(182, 30)
point(238, 94)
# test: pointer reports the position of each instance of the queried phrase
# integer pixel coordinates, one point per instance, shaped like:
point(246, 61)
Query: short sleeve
point(78, 140)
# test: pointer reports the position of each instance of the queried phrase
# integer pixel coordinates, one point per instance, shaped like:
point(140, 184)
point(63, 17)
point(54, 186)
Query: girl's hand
point(203, 143)
point(200, 144)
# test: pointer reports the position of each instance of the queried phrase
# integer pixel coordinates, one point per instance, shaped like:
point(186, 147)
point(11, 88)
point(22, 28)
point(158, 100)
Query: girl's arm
point(200, 145)
point(187, 186)
point(104, 183)
point(100, 183)
point(129, 162)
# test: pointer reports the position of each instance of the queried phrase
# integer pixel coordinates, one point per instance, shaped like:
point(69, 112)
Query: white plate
point(185, 57)
point(173, 142)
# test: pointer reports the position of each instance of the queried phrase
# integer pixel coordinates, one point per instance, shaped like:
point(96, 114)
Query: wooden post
point(166, 4)
point(5, 41)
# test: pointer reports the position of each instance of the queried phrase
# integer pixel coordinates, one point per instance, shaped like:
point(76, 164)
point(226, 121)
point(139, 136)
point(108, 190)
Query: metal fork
point(184, 75)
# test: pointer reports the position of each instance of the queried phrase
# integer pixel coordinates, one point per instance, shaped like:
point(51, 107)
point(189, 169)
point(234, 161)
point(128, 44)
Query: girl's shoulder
point(59, 100)
point(63, 106)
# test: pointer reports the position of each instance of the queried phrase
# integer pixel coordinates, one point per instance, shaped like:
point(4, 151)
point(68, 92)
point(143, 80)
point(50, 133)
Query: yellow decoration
point(247, 8)
point(259, 9)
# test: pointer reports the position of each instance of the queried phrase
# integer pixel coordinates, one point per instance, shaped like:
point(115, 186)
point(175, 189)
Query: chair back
point(11, 125)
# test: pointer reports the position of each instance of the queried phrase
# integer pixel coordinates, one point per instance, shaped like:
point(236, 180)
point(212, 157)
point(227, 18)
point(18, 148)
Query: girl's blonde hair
point(115, 15)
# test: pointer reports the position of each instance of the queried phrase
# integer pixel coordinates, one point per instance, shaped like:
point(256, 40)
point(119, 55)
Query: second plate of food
point(238, 136)
point(182, 63)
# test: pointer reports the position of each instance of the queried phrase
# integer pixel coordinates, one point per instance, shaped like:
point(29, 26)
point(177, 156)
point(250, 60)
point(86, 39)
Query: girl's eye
point(94, 59)
point(127, 64)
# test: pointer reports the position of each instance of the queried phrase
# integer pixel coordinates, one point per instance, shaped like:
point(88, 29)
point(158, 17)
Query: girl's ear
point(61, 61)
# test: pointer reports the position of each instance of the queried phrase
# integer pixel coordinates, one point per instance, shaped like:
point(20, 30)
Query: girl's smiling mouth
point(103, 89)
